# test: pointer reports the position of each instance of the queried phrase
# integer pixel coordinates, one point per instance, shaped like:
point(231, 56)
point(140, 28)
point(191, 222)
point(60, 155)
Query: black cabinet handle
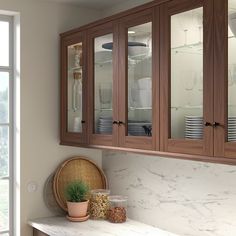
point(207, 124)
point(121, 123)
point(115, 122)
point(82, 121)
point(216, 124)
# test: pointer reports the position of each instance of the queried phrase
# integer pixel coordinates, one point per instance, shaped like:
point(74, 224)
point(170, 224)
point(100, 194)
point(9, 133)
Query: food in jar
point(116, 214)
point(99, 204)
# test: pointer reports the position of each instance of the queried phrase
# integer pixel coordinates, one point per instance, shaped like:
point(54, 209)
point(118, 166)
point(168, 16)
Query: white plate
point(194, 127)
point(198, 117)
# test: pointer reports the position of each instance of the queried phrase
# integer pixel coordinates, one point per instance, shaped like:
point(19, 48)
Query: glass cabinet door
point(187, 111)
point(74, 88)
point(102, 64)
point(73, 122)
point(136, 88)
point(231, 71)
point(225, 78)
point(103, 83)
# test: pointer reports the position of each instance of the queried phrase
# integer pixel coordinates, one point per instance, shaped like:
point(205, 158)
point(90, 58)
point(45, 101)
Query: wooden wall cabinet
point(74, 89)
point(156, 79)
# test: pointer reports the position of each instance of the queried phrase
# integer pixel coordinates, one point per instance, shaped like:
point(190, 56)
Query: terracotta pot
point(77, 209)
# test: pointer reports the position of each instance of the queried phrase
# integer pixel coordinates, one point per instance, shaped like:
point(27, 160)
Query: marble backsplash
point(183, 197)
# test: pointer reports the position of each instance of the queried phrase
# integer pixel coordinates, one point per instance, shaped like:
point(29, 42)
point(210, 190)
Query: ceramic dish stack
point(193, 127)
point(104, 125)
point(232, 129)
point(142, 128)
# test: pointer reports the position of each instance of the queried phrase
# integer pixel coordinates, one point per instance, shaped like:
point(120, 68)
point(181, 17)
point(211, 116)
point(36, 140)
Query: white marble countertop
point(60, 226)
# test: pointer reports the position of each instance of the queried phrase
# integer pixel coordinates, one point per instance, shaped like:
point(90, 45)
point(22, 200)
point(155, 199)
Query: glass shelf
point(103, 109)
point(195, 48)
point(73, 69)
point(187, 107)
point(130, 109)
point(139, 108)
point(132, 60)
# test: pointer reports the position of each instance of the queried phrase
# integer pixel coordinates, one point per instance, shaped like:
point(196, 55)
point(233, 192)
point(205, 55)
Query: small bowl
point(138, 51)
point(145, 83)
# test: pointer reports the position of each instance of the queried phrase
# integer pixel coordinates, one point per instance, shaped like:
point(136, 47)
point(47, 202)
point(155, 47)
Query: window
point(6, 125)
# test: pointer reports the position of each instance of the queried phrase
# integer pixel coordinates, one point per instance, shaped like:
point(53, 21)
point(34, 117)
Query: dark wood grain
point(221, 79)
point(126, 140)
point(204, 147)
point(215, 84)
point(94, 138)
point(65, 135)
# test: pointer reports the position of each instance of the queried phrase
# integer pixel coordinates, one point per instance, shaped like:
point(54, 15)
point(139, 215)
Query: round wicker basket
point(77, 168)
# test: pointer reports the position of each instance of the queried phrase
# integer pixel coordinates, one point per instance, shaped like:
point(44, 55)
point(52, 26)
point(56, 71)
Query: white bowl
point(145, 83)
point(138, 51)
point(145, 98)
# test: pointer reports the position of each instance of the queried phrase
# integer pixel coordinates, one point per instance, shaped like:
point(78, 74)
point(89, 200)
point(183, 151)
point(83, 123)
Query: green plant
point(76, 191)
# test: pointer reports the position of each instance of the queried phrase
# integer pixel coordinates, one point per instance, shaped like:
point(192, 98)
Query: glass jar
point(117, 209)
point(99, 203)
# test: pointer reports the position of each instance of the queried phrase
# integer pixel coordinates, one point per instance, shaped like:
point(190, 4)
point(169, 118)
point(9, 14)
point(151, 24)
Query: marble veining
point(60, 226)
point(184, 197)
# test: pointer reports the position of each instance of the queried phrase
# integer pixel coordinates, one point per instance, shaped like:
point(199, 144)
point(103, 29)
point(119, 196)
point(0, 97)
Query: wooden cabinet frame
point(148, 143)
point(100, 139)
point(198, 147)
point(66, 136)
point(222, 147)
point(214, 146)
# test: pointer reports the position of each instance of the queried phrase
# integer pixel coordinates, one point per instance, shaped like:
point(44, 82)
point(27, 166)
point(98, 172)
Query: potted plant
point(76, 199)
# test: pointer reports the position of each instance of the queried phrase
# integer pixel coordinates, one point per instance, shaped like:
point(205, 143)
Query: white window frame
point(10, 70)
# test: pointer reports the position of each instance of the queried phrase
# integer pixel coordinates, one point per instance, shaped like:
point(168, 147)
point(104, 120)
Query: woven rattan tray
point(77, 168)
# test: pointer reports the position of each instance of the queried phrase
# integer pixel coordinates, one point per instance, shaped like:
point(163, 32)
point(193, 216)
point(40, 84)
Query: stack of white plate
point(232, 128)
point(193, 127)
point(104, 125)
point(139, 128)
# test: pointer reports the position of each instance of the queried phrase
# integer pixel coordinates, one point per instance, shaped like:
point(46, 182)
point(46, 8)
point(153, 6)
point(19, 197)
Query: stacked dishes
point(104, 125)
point(193, 127)
point(139, 128)
point(145, 92)
point(232, 128)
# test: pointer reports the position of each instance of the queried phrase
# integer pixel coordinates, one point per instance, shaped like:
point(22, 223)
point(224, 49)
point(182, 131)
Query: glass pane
point(4, 43)
point(103, 81)
point(75, 80)
point(4, 205)
point(140, 80)
point(232, 72)
point(187, 75)
point(4, 97)
point(4, 151)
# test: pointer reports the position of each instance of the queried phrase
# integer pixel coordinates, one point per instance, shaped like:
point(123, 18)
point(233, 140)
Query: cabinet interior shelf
point(192, 107)
point(186, 107)
point(73, 69)
point(130, 109)
point(134, 60)
point(194, 48)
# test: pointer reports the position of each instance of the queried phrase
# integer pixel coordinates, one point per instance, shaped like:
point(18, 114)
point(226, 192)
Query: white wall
point(41, 23)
